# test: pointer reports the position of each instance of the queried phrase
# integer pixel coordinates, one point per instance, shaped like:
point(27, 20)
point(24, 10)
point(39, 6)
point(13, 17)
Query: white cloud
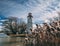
point(0, 28)
point(41, 9)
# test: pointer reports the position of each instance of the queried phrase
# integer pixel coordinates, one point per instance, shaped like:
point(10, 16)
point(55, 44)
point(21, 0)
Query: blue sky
point(41, 9)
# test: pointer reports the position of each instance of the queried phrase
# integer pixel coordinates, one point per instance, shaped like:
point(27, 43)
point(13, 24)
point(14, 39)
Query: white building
point(29, 23)
point(59, 16)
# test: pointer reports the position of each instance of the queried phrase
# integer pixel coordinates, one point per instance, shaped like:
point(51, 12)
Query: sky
point(41, 9)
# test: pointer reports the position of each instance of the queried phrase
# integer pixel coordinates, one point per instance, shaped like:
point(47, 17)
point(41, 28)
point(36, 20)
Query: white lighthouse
point(58, 16)
point(29, 23)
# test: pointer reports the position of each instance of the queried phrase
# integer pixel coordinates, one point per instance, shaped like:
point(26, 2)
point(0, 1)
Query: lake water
point(11, 41)
point(18, 41)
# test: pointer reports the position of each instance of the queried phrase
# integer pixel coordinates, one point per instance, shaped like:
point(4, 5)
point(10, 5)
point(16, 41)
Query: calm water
point(11, 41)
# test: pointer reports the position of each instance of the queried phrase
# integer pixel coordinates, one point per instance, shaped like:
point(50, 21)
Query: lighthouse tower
point(59, 16)
point(29, 22)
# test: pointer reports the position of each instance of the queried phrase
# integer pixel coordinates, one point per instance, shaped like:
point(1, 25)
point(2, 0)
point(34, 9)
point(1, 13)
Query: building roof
point(29, 15)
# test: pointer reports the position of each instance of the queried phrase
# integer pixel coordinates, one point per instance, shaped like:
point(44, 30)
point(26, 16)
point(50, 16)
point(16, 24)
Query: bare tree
point(12, 27)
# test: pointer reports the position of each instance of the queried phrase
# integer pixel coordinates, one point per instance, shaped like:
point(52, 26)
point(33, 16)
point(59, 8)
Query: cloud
point(41, 9)
point(0, 28)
